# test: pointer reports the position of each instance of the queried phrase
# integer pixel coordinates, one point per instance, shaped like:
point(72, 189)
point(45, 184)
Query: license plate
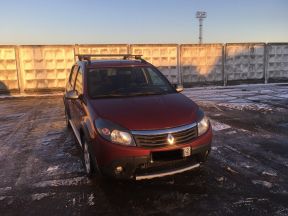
point(186, 151)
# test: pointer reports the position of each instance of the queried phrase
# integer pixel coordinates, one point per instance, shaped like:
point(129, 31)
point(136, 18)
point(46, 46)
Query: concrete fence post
point(129, 49)
point(76, 51)
point(21, 77)
point(224, 69)
point(179, 65)
point(266, 63)
point(223, 64)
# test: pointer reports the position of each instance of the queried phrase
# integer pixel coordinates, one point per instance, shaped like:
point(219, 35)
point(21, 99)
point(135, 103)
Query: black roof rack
point(88, 57)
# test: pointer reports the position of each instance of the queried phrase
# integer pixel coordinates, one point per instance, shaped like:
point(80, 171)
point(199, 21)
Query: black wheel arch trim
point(88, 138)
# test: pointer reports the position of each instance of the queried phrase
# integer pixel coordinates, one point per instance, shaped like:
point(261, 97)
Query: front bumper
point(144, 167)
point(122, 162)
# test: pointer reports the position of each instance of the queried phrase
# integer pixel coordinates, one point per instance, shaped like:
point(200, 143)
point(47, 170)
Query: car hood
point(147, 112)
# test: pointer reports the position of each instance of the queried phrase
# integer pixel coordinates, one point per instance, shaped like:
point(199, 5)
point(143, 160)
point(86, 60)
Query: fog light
point(118, 170)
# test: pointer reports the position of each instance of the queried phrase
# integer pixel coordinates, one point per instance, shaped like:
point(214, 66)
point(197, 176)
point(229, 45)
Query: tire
point(90, 164)
point(87, 160)
point(67, 118)
point(202, 157)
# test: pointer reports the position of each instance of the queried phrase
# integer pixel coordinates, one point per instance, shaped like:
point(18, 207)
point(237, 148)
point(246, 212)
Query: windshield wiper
point(110, 95)
point(145, 93)
point(129, 94)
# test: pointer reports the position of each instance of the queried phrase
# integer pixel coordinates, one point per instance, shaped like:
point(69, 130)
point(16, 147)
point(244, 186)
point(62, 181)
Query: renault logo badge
point(170, 139)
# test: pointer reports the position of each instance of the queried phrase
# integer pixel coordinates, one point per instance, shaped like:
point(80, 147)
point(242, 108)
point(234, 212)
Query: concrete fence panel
point(277, 61)
point(163, 56)
point(45, 67)
point(201, 63)
point(102, 49)
point(8, 69)
point(244, 62)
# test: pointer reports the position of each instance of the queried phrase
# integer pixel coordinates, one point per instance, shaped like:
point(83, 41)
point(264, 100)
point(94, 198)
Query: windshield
point(127, 82)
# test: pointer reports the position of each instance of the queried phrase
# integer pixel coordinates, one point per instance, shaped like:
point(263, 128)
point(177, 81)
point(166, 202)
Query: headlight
point(203, 125)
point(114, 133)
point(121, 137)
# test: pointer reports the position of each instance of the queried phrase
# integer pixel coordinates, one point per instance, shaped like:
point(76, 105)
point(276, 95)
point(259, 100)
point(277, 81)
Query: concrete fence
point(201, 64)
point(46, 67)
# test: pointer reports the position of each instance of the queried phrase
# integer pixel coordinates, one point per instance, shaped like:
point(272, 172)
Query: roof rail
point(88, 57)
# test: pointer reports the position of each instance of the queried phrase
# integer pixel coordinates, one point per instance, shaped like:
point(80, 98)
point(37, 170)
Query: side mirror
point(71, 95)
point(179, 88)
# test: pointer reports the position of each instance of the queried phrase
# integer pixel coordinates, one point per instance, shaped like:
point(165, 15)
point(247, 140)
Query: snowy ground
point(246, 174)
point(243, 97)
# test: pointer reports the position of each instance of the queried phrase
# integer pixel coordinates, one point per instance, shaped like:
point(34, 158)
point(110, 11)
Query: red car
point(131, 122)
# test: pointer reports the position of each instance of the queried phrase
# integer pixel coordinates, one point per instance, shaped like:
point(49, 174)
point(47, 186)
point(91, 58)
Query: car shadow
point(139, 196)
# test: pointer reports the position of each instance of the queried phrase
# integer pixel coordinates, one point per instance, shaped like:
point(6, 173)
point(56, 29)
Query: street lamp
point(200, 15)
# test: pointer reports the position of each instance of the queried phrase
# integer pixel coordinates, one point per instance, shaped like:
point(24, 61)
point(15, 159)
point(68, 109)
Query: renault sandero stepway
point(130, 121)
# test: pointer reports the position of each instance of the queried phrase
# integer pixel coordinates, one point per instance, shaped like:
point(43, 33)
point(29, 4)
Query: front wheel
point(87, 160)
point(202, 157)
point(90, 162)
point(67, 118)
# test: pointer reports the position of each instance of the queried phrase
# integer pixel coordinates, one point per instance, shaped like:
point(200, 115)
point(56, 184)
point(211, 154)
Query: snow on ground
point(247, 106)
point(255, 97)
point(218, 126)
point(63, 182)
point(39, 196)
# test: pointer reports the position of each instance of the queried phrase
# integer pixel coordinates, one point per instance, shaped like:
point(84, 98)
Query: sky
point(141, 21)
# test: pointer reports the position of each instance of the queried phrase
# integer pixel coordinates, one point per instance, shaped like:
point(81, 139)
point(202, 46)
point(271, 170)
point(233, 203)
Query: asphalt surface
point(41, 171)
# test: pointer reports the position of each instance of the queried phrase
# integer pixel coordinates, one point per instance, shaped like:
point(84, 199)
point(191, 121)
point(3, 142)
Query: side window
point(79, 82)
point(154, 77)
point(73, 75)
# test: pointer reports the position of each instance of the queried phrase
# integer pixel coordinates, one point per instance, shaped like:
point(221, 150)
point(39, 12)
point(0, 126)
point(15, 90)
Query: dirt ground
point(41, 171)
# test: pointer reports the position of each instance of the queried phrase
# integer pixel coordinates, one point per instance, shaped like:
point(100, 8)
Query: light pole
point(200, 15)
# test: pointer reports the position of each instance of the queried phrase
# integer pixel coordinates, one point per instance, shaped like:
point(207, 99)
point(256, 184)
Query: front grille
point(158, 138)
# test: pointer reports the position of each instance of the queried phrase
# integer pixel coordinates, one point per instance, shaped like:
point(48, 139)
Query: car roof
point(116, 63)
